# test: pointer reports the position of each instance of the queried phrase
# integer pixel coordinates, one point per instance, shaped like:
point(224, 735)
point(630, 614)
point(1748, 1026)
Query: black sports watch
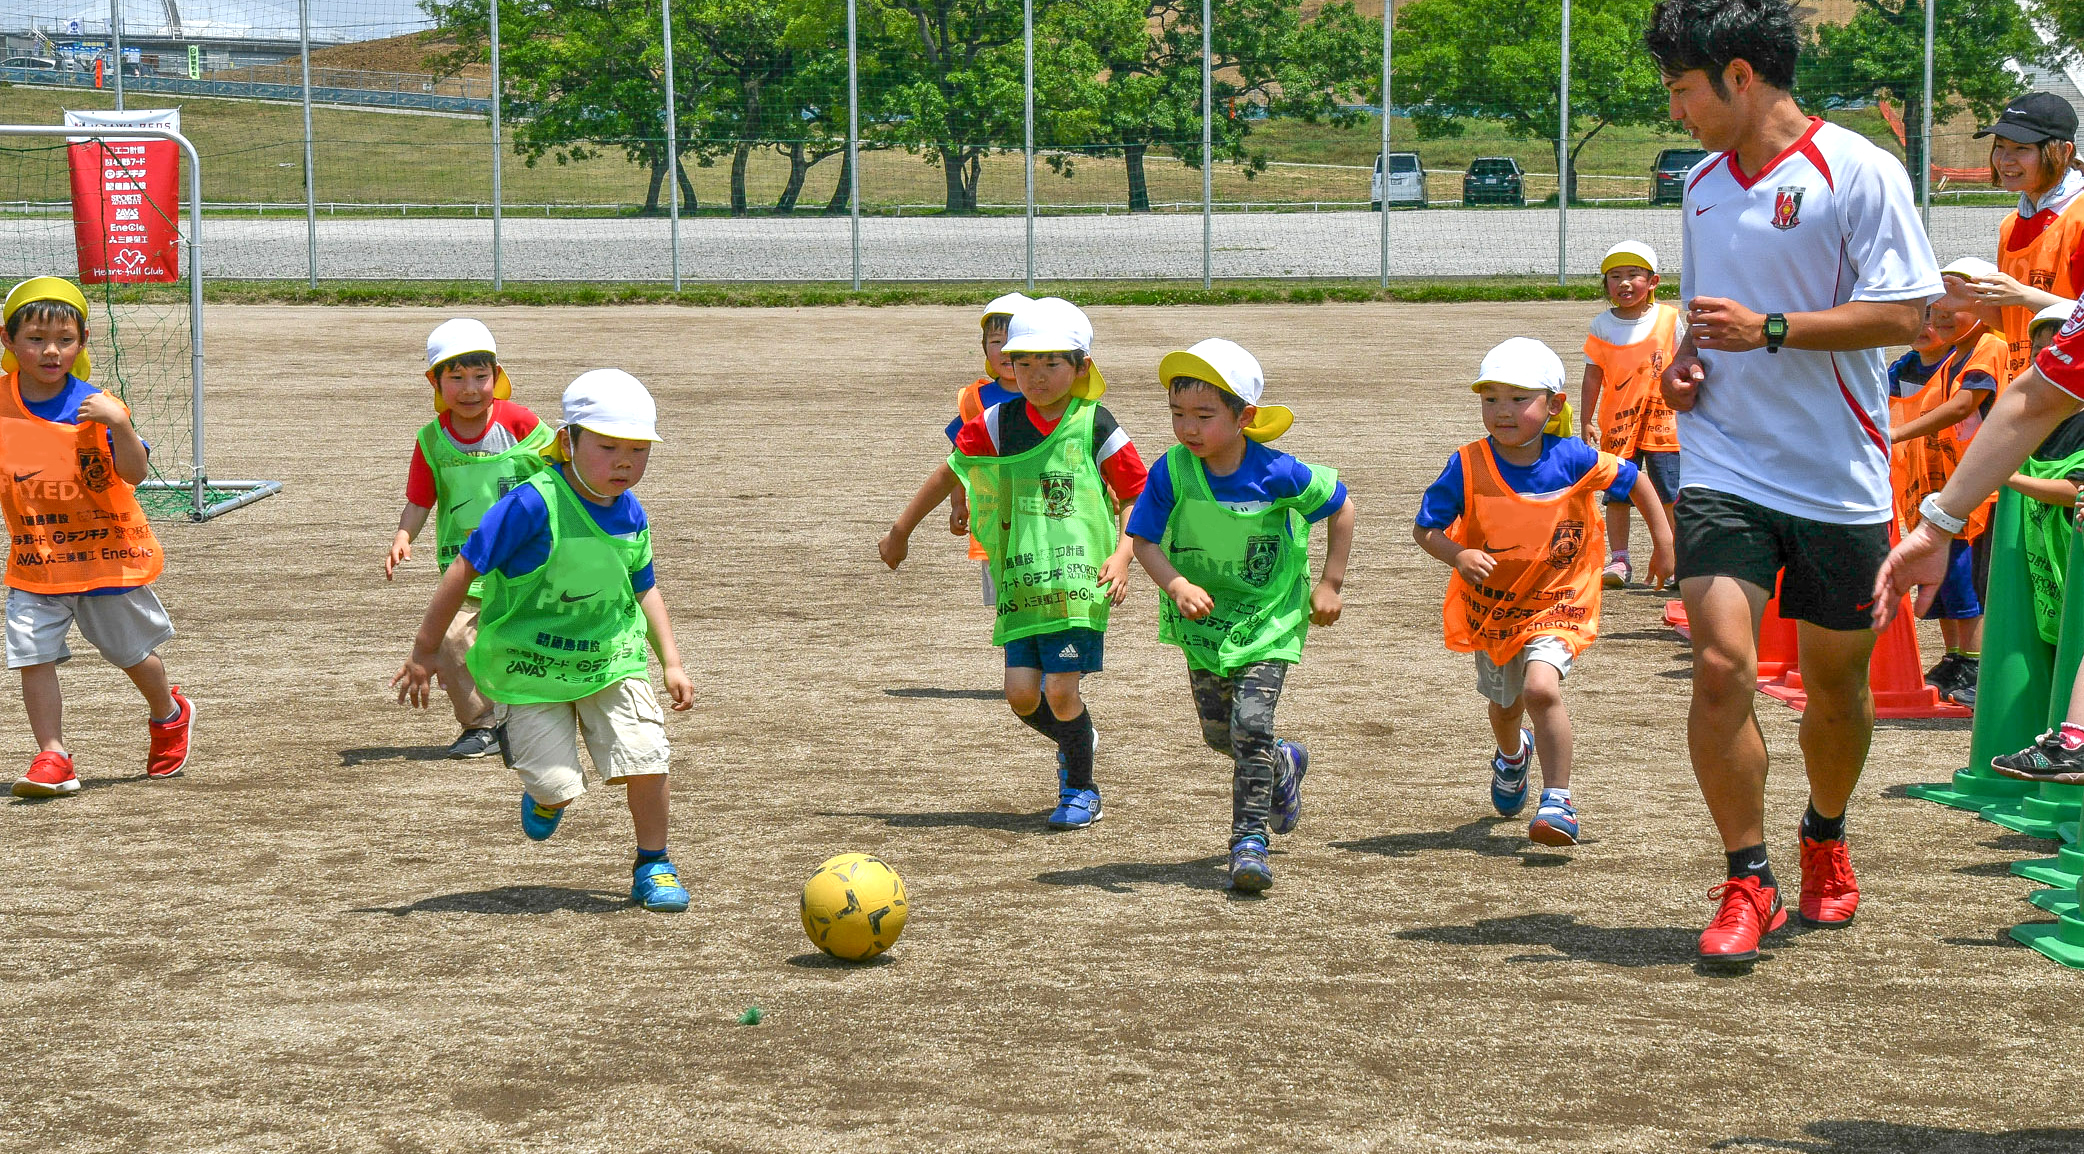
point(1776, 331)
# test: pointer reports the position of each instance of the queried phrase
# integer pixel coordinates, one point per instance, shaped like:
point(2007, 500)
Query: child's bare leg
point(648, 805)
point(149, 676)
point(1543, 699)
point(1505, 726)
point(1023, 689)
point(473, 711)
point(1971, 638)
point(1062, 691)
point(1617, 528)
point(45, 706)
point(2075, 716)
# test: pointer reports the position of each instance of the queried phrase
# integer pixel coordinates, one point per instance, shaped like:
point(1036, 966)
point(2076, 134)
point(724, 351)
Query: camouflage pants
point(1237, 720)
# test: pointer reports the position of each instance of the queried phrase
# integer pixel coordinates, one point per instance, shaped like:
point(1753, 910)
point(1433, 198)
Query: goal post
point(196, 496)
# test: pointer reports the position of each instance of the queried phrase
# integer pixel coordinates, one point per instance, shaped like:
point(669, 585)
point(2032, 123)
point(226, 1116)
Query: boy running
point(1223, 528)
point(1040, 471)
point(570, 601)
point(1513, 516)
point(82, 550)
point(1624, 411)
point(478, 447)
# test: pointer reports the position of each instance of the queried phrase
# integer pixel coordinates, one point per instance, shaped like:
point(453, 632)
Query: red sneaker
point(170, 741)
point(1830, 894)
point(1749, 908)
point(50, 775)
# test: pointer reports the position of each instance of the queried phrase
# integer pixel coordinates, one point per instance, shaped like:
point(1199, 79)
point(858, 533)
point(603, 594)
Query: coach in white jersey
point(1804, 258)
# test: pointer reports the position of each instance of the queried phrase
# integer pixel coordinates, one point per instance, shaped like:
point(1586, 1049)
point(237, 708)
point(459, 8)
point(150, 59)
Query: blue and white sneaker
point(655, 885)
point(1555, 822)
point(1075, 808)
point(1249, 872)
point(539, 821)
point(1287, 808)
point(1509, 783)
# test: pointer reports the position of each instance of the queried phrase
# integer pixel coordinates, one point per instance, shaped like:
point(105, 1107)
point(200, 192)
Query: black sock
point(1752, 863)
point(1042, 721)
point(647, 856)
point(1074, 739)
point(1819, 828)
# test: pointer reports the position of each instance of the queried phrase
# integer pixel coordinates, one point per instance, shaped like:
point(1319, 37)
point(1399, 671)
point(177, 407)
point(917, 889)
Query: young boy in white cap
point(82, 551)
point(996, 387)
point(1044, 473)
point(478, 447)
point(1624, 412)
point(570, 600)
point(1223, 528)
point(1516, 517)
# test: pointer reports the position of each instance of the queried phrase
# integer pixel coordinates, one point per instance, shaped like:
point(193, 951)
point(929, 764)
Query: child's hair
point(1710, 34)
point(1075, 356)
point(997, 323)
point(1231, 401)
point(45, 313)
point(2052, 160)
point(477, 360)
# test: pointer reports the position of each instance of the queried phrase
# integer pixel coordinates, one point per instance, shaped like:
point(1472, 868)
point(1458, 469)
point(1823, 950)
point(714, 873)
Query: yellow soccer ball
point(854, 907)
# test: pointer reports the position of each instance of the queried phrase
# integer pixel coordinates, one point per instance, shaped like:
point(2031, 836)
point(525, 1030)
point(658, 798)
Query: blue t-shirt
point(513, 539)
point(1263, 477)
point(1564, 462)
point(991, 393)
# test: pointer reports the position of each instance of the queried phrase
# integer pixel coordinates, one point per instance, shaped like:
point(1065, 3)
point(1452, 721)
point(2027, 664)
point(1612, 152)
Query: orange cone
point(1897, 675)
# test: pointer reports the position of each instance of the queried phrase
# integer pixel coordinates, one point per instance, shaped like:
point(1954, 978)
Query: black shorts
point(1663, 469)
point(1824, 572)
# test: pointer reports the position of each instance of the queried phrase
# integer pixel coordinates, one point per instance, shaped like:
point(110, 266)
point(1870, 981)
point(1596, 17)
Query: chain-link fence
point(904, 140)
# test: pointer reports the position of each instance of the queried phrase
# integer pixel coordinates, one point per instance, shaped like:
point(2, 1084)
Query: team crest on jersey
point(1787, 207)
point(1056, 495)
point(2042, 278)
point(94, 470)
point(1564, 546)
point(1261, 554)
point(2076, 321)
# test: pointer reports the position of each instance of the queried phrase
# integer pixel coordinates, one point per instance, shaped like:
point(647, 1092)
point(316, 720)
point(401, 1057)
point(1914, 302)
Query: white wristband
point(1929, 511)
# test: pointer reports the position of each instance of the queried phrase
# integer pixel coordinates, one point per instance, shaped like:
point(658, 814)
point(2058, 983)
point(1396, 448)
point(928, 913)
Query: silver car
point(1407, 181)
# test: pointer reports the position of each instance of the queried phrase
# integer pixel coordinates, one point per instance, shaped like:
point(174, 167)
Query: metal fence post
point(1382, 199)
point(853, 146)
point(310, 182)
point(1208, 180)
point(498, 269)
point(116, 38)
point(672, 139)
point(1563, 158)
point(1925, 177)
point(1027, 31)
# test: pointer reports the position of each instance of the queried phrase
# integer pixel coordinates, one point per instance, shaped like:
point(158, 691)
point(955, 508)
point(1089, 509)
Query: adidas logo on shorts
point(1068, 653)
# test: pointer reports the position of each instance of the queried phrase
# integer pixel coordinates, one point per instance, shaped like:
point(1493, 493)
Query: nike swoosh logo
point(568, 598)
point(1698, 211)
point(21, 477)
point(1756, 865)
point(1863, 606)
point(1494, 550)
point(457, 507)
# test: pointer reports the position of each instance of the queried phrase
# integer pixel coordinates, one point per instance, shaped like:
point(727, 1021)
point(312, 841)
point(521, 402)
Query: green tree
point(1499, 60)
point(1881, 52)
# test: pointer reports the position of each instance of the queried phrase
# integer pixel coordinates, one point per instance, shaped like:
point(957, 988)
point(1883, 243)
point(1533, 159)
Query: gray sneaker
point(475, 743)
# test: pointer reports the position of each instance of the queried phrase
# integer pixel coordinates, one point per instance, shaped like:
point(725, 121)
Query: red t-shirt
point(1015, 427)
point(509, 423)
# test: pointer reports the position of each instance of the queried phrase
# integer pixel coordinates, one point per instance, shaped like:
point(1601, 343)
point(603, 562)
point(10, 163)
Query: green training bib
point(465, 485)
point(1044, 518)
point(572, 627)
point(2046, 536)
point(1255, 565)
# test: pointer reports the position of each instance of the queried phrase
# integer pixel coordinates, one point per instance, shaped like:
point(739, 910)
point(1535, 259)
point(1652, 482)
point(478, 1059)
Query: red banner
point(126, 205)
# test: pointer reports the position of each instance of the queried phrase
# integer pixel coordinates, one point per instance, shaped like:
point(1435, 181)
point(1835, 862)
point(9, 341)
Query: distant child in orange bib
point(1516, 516)
point(1624, 411)
point(81, 550)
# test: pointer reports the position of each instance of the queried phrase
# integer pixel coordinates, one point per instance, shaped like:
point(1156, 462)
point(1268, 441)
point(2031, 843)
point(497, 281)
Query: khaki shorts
point(1503, 684)
point(125, 627)
point(625, 732)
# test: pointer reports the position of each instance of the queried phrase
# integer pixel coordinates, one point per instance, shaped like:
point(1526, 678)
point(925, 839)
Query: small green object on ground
point(751, 1016)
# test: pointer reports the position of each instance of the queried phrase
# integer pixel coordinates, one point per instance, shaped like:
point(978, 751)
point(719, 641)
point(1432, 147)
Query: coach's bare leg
point(46, 706)
point(1838, 725)
point(1729, 751)
point(149, 676)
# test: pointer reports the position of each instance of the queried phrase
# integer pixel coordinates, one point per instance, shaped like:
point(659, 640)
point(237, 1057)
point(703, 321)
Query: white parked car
point(1407, 181)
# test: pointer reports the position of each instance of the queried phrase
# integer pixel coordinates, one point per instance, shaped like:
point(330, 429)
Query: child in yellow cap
point(1223, 527)
point(478, 447)
point(1624, 411)
point(82, 551)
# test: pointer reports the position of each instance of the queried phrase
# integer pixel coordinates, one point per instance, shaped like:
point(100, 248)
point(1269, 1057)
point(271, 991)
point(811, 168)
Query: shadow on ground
point(1119, 877)
point(972, 818)
point(948, 694)
point(1572, 940)
point(1859, 1136)
point(511, 900)
point(1474, 836)
point(350, 758)
point(823, 961)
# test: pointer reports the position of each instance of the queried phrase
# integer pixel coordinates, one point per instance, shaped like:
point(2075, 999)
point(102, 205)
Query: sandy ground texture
point(324, 938)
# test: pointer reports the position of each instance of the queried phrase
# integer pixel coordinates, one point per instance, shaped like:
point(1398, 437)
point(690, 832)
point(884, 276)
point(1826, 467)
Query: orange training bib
point(2043, 263)
point(1549, 552)
point(1922, 466)
point(969, 405)
point(73, 524)
point(1633, 417)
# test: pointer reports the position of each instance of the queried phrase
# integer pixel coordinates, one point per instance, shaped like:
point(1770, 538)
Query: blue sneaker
point(1555, 822)
point(1249, 872)
point(539, 821)
point(1509, 785)
point(1287, 810)
point(1075, 808)
point(656, 886)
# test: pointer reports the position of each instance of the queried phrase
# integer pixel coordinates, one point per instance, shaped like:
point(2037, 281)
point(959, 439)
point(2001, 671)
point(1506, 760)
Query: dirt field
point(324, 939)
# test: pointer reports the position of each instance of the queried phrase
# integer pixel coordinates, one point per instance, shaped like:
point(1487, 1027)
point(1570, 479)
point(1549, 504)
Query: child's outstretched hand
point(412, 682)
point(1474, 565)
point(401, 552)
point(1662, 565)
point(1114, 577)
point(958, 514)
point(1325, 604)
point(893, 547)
point(681, 688)
point(1193, 601)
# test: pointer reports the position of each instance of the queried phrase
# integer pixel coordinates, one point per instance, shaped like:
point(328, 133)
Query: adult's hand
point(1919, 561)
point(1681, 382)
point(1724, 326)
